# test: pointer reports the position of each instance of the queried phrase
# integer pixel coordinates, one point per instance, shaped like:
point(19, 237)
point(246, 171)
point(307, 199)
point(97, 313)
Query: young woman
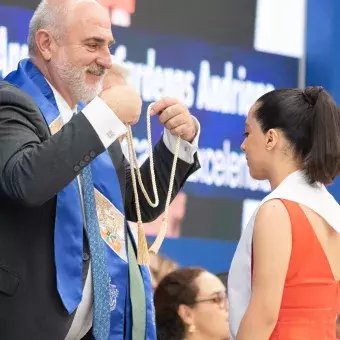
point(284, 279)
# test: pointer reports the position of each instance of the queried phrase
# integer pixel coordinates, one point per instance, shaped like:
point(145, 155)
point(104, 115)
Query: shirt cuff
point(106, 124)
point(186, 150)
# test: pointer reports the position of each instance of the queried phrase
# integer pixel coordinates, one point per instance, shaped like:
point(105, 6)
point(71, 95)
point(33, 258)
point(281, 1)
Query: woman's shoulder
point(272, 217)
point(272, 209)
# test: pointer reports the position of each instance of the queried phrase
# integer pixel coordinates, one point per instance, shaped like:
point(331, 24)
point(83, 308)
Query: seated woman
point(191, 304)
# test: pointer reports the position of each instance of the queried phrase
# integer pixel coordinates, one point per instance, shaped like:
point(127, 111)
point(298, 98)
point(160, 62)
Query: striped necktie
point(100, 275)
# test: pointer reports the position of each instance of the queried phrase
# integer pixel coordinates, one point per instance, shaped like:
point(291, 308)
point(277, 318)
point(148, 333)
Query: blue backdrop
point(323, 53)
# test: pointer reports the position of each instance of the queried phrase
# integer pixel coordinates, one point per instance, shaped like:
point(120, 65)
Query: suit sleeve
point(163, 160)
point(35, 166)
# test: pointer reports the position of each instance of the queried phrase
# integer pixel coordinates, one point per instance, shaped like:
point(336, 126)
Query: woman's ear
point(272, 137)
point(186, 314)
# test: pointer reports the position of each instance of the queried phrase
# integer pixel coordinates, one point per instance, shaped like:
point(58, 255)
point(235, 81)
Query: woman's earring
point(192, 329)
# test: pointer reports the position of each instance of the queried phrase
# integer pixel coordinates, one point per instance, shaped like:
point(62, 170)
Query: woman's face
point(254, 146)
point(211, 312)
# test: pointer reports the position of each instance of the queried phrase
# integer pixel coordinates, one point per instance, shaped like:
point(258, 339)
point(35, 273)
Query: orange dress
point(311, 296)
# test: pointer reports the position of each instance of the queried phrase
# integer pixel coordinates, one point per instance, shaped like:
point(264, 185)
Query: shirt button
point(92, 154)
point(86, 256)
point(82, 163)
point(186, 148)
point(87, 158)
point(76, 168)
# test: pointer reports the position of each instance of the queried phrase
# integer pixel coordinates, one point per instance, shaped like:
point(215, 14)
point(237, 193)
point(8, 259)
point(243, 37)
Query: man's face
point(82, 55)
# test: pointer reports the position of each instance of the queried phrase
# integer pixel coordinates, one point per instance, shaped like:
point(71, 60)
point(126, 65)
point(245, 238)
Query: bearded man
point(68, 267)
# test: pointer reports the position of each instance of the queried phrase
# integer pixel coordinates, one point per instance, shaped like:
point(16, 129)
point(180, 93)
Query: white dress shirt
point(109, 128)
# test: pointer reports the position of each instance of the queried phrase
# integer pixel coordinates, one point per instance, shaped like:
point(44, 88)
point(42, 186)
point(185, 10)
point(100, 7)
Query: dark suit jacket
point(34, 167)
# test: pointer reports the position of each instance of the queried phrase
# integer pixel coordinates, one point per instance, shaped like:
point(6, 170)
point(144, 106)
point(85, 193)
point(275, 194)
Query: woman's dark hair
point(310, 120)
point(177, 288)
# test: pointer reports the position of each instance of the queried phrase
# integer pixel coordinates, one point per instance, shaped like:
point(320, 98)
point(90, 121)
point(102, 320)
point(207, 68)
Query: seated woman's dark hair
point(176, 289)
point(310, 120)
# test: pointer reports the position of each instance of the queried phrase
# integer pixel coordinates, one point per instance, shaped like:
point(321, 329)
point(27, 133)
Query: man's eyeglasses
point(220, 299)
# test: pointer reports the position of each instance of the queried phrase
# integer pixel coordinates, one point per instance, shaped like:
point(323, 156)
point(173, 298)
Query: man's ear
point(44, 43)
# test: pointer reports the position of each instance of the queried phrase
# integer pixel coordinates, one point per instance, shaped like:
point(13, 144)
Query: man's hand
point(124, 101)
point(116, 75)
point(176, 117)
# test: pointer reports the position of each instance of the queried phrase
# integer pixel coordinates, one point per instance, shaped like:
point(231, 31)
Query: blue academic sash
point(69, 223)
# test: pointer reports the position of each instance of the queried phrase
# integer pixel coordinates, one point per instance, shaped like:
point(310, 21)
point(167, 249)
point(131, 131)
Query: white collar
point(64, 109)
point(316, 197)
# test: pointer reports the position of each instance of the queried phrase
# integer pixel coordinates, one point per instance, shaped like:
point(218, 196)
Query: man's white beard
point(74, 79)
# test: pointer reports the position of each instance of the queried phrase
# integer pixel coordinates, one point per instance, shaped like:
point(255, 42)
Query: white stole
point(294, 188)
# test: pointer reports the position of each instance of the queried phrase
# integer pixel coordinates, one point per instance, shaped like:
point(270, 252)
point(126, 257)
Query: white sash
point(293, 188)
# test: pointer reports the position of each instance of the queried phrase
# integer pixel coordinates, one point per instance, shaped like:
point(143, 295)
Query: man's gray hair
point(49, 16)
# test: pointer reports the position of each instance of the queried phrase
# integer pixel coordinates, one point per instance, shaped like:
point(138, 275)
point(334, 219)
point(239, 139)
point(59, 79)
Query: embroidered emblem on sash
point(114, 292)
point(111, 223)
